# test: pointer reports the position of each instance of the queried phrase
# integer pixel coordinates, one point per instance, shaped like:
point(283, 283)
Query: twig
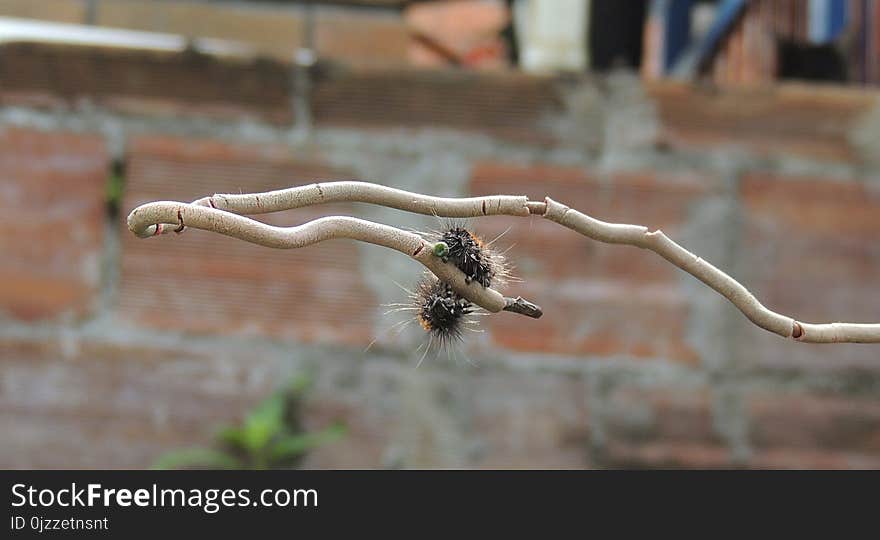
point(165, 216)
point(365, 192)
point(216, 214)
point(726, 286)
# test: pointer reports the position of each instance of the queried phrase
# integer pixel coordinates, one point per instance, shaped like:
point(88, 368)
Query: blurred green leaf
point(264, 423)
point(232, 436)
point(268, 436)
point(299, 385)
point(113, 189)
point(203, 458)
point(292, 446)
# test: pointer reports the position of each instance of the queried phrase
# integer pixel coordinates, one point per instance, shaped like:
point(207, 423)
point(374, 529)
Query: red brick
point(809, 251)
point(145, 82)
point(812, 122)
point(397, 419)
point(662, 427)
point(367, 402)
point(508, 105)
point(367, 434)
point(361, 39)
point(547, 424)
point(84, 404)
point(63, 11)
point(207, 283)
point(52, 215)
point(268, 29)
point(802, 430)
point(599, 299)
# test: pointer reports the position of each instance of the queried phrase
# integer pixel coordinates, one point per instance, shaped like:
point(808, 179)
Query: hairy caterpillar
point(468, 253)
point(477, 259)
point(439, 310)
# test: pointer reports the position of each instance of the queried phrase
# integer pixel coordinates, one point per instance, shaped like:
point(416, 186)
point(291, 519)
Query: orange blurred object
point(458, 32)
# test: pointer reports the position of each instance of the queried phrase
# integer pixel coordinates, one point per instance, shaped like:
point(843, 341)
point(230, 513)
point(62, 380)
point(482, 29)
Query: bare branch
point(365, 192)
point(216, 214)
point(165, 216)
point(726, 286)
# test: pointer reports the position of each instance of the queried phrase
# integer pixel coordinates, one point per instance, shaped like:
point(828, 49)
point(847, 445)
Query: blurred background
point(747, 130)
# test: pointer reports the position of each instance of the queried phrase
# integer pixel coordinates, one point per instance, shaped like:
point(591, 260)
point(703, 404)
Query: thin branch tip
point(523, 307)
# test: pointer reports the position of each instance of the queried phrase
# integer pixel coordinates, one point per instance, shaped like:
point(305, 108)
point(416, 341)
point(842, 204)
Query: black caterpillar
point(439, 309)
point(467, 252)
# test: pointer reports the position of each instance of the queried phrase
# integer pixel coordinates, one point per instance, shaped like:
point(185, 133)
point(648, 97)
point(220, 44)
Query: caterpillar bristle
point(439, 310)
point(472, 255)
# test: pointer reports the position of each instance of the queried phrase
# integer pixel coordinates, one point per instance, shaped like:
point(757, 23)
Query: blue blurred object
point(676, 16)
point(682, 56)
point(828, 18)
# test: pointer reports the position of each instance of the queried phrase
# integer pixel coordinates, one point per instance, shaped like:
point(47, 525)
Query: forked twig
point(219, 213)
point(165, 216)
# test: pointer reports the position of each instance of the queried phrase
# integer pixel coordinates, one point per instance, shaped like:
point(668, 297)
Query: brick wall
point(114, 349)
point(362, 34)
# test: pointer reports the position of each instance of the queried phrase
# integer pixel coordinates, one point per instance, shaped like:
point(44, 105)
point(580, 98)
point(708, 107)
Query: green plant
point(114, 188)
point(270, 437)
